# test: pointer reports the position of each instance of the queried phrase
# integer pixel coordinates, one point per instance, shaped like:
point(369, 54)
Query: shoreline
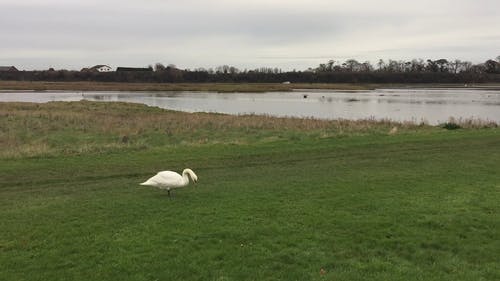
point(215, 87)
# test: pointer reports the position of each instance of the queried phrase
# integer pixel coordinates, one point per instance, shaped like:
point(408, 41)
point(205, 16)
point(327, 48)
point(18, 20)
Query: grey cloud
point(67, 26)
point(265, 32)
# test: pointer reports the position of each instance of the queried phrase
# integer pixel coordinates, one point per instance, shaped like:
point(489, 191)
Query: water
point(431, 105)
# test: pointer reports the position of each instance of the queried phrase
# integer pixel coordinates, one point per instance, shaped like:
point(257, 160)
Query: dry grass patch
point(76, 127)
point(468, 123)
point(213, 87)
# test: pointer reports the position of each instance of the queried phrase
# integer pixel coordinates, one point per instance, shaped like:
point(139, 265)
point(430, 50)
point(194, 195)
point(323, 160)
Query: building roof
point(99, 66)
point(133, 69)
point(8, 68)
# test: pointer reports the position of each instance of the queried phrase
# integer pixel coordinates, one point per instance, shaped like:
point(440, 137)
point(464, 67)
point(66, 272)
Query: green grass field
point(277, 199)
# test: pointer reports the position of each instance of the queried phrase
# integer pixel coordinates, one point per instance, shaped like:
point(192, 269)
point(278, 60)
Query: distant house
point(8, 68)
point(133, 69)
point(100, 68)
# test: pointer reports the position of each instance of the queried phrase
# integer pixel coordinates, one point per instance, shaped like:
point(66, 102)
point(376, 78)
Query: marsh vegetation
point(30, 129)
point(207, 87)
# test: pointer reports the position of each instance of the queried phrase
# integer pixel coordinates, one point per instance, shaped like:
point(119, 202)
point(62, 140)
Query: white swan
point(169, 180)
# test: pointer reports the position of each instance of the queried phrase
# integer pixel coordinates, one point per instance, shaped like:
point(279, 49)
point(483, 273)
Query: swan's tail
point(146, 183)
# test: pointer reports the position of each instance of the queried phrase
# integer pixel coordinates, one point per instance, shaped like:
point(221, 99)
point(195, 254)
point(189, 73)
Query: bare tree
point(321, 68)
point(366, 66)
point(443, 65)
point(351, 65)
point(381, 65)
point(417, 65)
point(432, 66)
point(466, 66)
point(159, 66)
point(330, 65)
point(492, 66)
point(233, 70)
point(455, 66)
point(395, 66)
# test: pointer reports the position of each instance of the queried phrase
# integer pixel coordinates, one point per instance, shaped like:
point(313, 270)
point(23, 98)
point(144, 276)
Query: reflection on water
point(431, 105)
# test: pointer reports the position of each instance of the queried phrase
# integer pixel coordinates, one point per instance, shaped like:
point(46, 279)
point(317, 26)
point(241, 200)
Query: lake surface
point(431, 105)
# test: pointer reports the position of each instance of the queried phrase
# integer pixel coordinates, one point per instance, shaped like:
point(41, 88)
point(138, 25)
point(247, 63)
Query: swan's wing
point(168, 178)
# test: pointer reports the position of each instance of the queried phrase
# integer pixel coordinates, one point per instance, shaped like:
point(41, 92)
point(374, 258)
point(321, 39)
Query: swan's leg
point(168, 190)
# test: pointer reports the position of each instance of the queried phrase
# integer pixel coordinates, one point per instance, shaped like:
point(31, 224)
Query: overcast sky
point(288, 34)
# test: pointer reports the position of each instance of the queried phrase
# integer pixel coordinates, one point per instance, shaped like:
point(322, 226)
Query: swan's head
point(193, 176)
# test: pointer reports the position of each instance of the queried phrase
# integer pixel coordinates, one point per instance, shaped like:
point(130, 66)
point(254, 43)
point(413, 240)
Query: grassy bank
point(31, 129)
point(214, 87)
point(278, 199)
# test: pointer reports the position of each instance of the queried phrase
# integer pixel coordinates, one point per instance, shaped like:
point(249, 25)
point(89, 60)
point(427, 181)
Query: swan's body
point(169, 180)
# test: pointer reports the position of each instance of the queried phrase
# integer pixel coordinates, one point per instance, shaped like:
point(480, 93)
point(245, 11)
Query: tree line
point(412, 66)
point(349, 71)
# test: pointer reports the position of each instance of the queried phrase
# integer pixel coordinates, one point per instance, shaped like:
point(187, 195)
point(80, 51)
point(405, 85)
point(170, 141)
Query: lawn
point(277, 199)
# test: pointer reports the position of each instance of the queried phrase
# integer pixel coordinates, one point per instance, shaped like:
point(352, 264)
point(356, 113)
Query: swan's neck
point(185, 176)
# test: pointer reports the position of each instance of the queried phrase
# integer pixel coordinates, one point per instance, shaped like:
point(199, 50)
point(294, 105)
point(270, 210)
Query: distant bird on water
point(170, 180)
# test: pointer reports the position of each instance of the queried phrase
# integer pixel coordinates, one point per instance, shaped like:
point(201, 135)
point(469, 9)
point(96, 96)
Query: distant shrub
point(468, 123)
point(451, 126)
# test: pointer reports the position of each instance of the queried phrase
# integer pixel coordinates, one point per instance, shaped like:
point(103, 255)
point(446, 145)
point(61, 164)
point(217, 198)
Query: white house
point(101, 68)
